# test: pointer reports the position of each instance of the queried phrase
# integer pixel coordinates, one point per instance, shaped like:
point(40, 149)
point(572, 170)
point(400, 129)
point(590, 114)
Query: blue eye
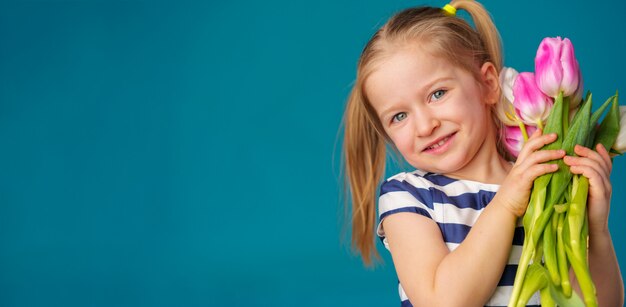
point(437, 94)
point(399, 117)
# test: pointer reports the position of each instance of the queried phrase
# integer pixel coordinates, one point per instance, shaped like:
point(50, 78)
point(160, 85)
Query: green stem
point(536, 280)
point(533, 212)
point(577, 254)
point(581, 269)
point(522, 127)
point(520, 275)
point(546, 297)
point(562, 257)
point(566, 102)
point(549, 252)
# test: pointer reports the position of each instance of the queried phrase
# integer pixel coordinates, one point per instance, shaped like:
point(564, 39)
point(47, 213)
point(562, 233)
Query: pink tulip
point(505, 110)
point(514, 138)
point(556, 67)
point(531, 104)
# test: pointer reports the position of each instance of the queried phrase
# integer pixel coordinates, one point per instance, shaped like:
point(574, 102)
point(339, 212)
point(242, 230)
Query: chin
point(445, 166)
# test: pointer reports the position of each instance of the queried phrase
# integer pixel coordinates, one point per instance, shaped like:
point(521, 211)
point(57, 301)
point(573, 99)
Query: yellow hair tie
point(449, 10)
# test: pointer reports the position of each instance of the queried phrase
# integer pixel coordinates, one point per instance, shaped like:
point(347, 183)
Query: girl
point(427, 86)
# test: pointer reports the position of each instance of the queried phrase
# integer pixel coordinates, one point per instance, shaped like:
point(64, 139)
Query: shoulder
point(406, 191)
point(406, 181)
point(421, 191)
point(419, 183)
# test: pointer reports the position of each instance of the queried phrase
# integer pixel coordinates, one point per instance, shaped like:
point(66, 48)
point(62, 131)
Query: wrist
point(599, 238)
point(508, 206)
point(601, 230)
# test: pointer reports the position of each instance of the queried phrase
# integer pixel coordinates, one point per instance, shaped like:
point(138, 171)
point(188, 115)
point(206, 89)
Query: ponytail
point(364, 156)
point(485, 28)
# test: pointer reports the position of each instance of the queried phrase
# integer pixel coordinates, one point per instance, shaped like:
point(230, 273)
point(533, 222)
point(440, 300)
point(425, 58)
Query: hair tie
point(449, 10)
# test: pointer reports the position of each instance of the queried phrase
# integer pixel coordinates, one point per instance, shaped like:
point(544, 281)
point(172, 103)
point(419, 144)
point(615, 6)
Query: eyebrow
point(428, 85)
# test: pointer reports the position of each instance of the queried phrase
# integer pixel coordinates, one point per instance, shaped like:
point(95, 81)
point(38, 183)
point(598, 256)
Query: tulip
point(505, 110)
point(507, 79)
point(620, 142)
point(514, 138)
point(531, 104)
point(556, 67)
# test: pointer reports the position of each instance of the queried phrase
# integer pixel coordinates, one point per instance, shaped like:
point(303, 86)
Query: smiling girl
point(427, 85)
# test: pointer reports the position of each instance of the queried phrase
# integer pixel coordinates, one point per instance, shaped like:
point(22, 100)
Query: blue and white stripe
point(454, 205)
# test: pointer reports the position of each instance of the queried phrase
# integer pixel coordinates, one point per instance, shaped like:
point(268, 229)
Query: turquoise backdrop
point(185, 153)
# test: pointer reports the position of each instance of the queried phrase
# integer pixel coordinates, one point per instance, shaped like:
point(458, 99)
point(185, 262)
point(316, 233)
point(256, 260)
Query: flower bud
point(556, 67)
point(507, 79)
point(531, 104)
point(514, 138)
point(505, 110)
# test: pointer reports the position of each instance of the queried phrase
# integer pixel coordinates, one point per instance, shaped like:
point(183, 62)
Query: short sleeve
point(405, 192)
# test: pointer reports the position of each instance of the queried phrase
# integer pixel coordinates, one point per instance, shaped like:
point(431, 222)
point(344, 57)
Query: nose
point(426, 123)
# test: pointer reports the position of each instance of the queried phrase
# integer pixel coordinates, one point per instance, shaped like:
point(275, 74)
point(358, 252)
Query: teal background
point(185, 153)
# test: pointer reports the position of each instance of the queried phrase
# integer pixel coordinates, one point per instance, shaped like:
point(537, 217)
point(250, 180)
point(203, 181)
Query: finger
point(537, 133)
point(606, 157)
point(586, 162)
point(590, 163)
point(535, 143)
point(538, 157)
point(594, 155)
point(597, 182)
point(537, 170)
point(541, 156)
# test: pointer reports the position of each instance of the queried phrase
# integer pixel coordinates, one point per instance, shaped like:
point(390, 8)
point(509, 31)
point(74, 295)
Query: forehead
point(405, 71)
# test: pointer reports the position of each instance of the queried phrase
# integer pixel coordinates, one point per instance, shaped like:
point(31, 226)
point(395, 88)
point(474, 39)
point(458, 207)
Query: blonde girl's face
point(435, 113)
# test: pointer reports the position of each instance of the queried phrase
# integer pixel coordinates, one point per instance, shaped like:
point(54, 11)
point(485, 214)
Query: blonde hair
point(365, 141)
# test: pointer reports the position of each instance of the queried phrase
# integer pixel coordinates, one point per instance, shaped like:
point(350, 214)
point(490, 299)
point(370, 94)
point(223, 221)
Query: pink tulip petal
point(531, 105)
point(514, 139)
point(556, 67)
point(569, 84)
point(548, 66)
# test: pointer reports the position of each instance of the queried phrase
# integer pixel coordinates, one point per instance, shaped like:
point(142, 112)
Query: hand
point(514, 192)
point(596, 166)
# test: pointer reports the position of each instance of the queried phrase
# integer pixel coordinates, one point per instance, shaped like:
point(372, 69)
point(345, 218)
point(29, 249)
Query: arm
point(603, 263)
point(605, 270)
point(431, 275)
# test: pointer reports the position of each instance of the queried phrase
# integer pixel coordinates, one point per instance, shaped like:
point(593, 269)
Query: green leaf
point(609, 128)
point(562, 300)
point(596, 115)
point(554, 123)
point(584, 109)
point(536, 279)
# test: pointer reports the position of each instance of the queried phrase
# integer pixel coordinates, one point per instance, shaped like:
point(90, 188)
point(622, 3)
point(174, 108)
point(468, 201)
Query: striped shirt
point(454, 205)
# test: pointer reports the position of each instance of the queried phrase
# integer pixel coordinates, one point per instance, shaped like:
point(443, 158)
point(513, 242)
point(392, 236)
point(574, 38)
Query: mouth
point(440, 144)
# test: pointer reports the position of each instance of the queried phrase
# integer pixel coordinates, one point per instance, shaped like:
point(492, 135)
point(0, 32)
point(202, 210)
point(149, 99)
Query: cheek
point(402, 139)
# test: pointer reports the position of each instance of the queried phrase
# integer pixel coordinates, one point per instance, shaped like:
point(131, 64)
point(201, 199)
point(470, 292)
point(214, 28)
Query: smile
point(441, 145)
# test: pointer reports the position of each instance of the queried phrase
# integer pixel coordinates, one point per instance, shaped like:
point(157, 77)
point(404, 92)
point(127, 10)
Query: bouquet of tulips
point(555, 222)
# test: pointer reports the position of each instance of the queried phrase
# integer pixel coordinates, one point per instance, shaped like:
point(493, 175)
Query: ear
point(491, 82)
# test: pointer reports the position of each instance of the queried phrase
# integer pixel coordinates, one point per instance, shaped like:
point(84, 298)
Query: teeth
point(438, 143)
